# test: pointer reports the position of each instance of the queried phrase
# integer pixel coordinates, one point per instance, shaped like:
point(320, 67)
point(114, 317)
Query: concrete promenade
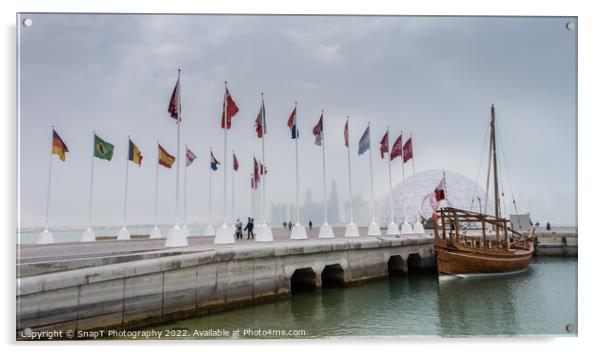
point(125, 284)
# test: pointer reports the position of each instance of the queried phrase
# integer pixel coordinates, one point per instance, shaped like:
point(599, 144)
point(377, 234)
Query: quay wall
point(556, 244)
point(148, 291)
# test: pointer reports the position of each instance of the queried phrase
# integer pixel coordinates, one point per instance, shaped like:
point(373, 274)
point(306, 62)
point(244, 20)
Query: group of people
point(290, 225)
point(248, 228)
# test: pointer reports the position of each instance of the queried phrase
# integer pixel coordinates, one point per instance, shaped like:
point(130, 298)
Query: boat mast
point(495, 182)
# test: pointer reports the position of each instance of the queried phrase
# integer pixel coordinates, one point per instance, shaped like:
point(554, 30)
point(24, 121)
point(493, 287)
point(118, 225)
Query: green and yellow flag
point(102, 149)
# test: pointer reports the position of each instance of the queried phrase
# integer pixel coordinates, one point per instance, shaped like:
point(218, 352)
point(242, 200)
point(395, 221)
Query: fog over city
point(432, 77)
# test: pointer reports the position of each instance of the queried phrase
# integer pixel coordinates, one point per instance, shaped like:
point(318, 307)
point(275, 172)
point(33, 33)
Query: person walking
point(238, 226)
point(251, 229)
point(310, 225)
point(290, 226)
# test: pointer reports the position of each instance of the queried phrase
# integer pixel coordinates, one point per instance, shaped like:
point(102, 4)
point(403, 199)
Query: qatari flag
point(396, 149)
point(190, 157)
point(346, 133)
point(384, 145)
point(234, 162)
point(407, 150)
point(256, 172)
point(260, 125)
point(174, 108)
point(440, 190)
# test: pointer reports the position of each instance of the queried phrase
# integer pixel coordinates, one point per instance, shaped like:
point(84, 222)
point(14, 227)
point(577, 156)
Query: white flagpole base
point(209, 231)
point(418, 228)
point(351, 230)
point(224, 235)
point(373, 229)
point(298, 232)
point(45, 237)
point(326, 231)
point(88, 235)
point(393, 229)
point(186, 231)
point(155, 233)
point(176, 237)
point(264, 233)
point(406, 229)
point(123, 234)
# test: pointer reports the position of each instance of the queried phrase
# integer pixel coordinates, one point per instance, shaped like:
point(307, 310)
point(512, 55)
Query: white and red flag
point(440, 190)
point(190, 157)
point(384, 145)
point(229, 110)
point(256, 172)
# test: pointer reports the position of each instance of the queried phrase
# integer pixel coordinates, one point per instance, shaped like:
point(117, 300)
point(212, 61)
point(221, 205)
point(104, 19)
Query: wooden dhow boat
point(494, 248)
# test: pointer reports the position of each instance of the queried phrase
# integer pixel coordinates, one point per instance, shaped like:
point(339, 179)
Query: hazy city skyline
point(433, 77)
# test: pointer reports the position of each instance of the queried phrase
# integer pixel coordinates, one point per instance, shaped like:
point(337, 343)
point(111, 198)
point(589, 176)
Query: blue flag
point(214, 162)
point(364, 143)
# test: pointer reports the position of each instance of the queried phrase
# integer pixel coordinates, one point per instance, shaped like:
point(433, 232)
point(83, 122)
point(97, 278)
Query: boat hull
point(451, 262)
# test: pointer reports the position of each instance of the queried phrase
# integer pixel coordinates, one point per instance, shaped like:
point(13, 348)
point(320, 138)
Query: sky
point(432, 77)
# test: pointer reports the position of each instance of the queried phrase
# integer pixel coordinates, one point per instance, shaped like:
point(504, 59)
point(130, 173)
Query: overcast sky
point(434, 77)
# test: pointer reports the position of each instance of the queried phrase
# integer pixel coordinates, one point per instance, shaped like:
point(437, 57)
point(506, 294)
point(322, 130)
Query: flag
point(234, 162)
point(440, 190)
point(190, 157)
point(102, 149)
point(134, 154)
point(346, 134)
point(364, 143)
point(165, 159)
point(232, 109)
point(58, 146)
point(407, 150)
point(434, 201)
point(174, 108)
point(396, 149)
point(292, 124)
point(256, 173)
point(253, 183)
point(214, 162)
point(260, 124)
point(319, 131)
point(384, 145)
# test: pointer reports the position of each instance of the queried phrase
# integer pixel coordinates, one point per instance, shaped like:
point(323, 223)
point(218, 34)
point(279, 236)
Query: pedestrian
point(248, 227)
point(548, 226)
point(251, 228)
point(290, 226)
point(310, 225)
point(238, 226)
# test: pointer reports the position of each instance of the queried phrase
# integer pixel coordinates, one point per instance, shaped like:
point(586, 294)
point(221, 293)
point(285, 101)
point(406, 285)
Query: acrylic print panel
point(433, 156)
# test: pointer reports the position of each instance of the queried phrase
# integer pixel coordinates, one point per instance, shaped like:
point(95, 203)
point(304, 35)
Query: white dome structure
point(461, 192)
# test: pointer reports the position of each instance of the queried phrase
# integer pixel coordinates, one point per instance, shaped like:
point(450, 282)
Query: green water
point(540, 301)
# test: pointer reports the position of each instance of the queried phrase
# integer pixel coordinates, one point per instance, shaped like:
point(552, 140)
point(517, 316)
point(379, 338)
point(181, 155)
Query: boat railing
point(453, 223)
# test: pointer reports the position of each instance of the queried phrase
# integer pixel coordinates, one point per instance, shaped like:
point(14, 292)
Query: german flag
point(134, 154)
point(58, 146)
point(165, 159)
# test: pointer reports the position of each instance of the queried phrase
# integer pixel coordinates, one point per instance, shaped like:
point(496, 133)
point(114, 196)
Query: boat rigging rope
point(474, 190)
point(506, 170)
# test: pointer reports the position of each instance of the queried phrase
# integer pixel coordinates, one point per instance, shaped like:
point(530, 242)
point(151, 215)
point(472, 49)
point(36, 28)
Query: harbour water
point(541, 301)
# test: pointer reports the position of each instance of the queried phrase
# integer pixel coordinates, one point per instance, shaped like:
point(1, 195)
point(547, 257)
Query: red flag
point(318, 130)
point(260, 126)
point(384, 145)
point(253, 182)
point(174, 108)
point(346, 134)
point(234, 162)
point(407, 150)
point(231, 108)
point(440, 190)
point(396, 149)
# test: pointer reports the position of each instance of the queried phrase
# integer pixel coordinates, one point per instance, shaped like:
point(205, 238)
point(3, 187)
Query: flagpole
point(47, 236)
point(177, 236)
point(392, 229)
point(185, 190)
point(49, 179)
point(265, 232)
point(88, 234)
point(406, 228)
point(233, 217)
point(209, 231)
point(155, 231)
point(351, 230)
point(123, 234)
point(298, 231)
point(325, 230)
point(373, 228)
point(224, 234)
point(418, 227)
